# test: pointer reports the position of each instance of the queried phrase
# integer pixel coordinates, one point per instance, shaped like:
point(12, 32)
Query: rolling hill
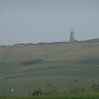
point(60, 65)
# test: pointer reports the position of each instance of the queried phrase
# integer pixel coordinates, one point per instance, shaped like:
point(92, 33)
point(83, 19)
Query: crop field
point(60, 65)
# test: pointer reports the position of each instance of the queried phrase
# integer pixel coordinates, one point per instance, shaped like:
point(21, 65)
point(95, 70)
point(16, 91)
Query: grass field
point(61, 65)
point(61, 96)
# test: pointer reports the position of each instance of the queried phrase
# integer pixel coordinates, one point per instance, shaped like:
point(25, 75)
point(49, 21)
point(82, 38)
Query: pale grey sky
point(33, 21)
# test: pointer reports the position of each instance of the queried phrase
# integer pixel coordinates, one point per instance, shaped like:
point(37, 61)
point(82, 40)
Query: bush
point(51, 89)
point(37, 92)
point(31, 62)
point(94, 87)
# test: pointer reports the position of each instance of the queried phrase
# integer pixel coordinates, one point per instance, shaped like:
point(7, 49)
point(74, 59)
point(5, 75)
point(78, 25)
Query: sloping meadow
point(26, 68)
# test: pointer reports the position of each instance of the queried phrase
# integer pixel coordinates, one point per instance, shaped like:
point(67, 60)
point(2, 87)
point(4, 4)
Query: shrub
point(31, 62)
point(51, 89)
point(37, 92)
point(95, 87)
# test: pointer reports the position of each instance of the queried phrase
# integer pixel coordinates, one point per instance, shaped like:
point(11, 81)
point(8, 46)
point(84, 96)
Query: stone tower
point(72, 39)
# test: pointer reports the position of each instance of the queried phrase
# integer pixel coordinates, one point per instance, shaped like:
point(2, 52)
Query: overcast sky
point(33, 21)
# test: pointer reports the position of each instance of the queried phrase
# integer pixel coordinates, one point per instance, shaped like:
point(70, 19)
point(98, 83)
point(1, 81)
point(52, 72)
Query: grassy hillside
point(60, 65)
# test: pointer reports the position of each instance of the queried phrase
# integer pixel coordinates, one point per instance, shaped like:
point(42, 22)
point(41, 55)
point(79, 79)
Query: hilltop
point(26, 68)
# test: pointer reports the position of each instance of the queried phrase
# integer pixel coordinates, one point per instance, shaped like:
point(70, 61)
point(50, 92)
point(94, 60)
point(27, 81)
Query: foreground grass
point(61, 96)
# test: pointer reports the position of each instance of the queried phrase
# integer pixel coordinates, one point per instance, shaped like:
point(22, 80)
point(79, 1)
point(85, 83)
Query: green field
point(61, 64)
point(60, 96)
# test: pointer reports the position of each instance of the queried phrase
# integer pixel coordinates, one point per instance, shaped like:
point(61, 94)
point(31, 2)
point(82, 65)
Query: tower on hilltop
point(72, 39)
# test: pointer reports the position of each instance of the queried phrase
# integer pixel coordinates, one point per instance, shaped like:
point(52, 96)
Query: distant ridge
point(42, 43)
